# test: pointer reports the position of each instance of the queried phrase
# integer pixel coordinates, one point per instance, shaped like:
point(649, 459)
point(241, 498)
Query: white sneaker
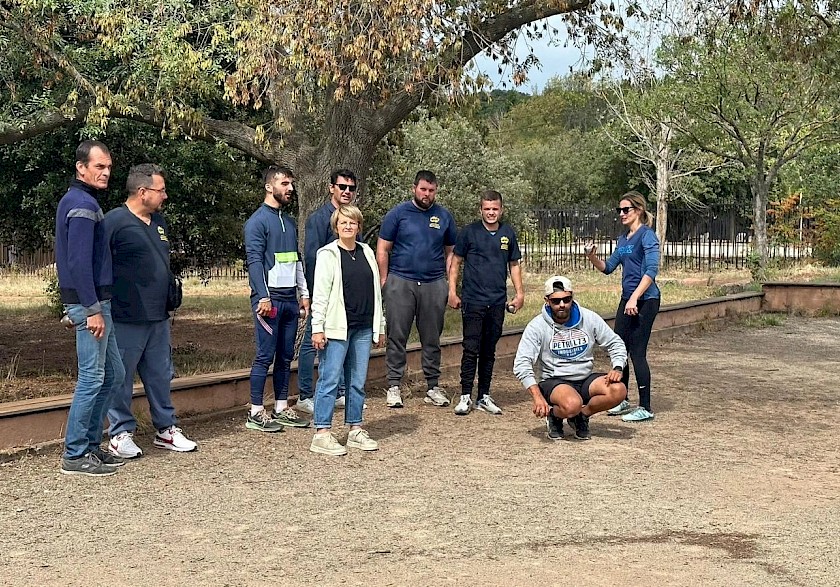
point(436, 396)
point(173, 439)
point(306, 405)
point(122, 445)
point(464, 406)
point(360, 439)
point(340, 403)
point(393, 398)
point(486, 404)
point(327, 444)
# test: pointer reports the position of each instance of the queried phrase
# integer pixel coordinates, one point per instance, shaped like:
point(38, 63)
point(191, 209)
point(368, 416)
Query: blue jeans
point(306, 365)
point(100, 372)
point(348, 357)
point(275, 344)
point(145, 349)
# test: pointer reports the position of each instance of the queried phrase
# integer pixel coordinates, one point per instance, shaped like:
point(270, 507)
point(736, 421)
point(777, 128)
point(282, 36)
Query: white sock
point(280, 405)
point(256, 409)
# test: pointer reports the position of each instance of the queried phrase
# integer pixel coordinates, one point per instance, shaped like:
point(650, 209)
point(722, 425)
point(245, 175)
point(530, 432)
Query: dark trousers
point(482, 328)
point(275, 339)
point(635, 332)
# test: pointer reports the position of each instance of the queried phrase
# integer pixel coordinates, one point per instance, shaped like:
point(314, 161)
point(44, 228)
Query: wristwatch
point(618, 368)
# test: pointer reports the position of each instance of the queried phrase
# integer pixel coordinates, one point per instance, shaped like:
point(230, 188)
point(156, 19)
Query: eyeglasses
point(625, 209)
point(557, 301)
point(343, 187)
point(161, 190)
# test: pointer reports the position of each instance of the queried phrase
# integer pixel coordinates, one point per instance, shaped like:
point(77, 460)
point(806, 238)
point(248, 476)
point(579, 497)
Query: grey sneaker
point(464, 405)
point(436, 397)
point(262, 422)
point(393, 398)
point(289, 417)
point(307, 406)
point(108, 459)
point(486, 404)
point(327, 444)
point(89, 465)
point(621, 408)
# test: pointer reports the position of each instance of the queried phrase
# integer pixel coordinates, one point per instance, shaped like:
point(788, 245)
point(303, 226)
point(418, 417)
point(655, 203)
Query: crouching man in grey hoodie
point(554, 362)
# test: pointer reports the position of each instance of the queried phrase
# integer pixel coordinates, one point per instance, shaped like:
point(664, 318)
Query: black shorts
point(581, 386)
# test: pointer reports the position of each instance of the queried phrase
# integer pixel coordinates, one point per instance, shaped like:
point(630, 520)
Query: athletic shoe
point(108, 459)
point(554, 425)
point(359, 439)
point(436, 397)
point(621, 408)
point(288, 417)
point(262, 422)
point(393, 398)
point(486, 404)
point(122, 445)
point(464, 405)
point(581, 425)
point(89, 465)
point(172, 438)
point(340, 402)
point(638, 415)
point(307, 406)
point(327, 444)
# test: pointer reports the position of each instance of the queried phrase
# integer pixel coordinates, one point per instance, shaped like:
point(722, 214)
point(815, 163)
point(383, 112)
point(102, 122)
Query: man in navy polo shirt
point(413, 253)
point(489, 250)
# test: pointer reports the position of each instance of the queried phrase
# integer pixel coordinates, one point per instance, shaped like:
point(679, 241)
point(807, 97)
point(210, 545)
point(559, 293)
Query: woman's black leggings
point(635, 332)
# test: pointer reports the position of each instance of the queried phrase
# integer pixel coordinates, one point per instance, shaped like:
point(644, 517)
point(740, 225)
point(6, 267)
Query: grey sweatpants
point(423, 303)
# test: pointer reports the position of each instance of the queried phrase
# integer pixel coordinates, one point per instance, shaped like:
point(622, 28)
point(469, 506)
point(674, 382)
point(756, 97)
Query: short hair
point(490, 196)
point(84, 149)
point(425, 175)
point(341, 172)
point(348, 211)
point(274, 170)
point(140, 176)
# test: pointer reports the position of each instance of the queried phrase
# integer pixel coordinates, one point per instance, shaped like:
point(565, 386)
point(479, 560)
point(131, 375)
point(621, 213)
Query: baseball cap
point(557, 283)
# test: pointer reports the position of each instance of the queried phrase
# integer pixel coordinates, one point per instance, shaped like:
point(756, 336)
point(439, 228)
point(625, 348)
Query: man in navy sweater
point(139, 241)
point(85, 279)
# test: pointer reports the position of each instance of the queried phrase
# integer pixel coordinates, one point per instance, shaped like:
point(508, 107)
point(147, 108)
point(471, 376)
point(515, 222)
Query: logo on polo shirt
point(434, 222)
point(162, 234)
point(505, 243)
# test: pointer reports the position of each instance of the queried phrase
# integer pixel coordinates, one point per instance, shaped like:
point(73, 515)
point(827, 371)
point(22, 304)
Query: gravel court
point(736, 482)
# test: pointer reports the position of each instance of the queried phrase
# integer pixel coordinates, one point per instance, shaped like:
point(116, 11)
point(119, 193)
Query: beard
point(280, 198)
point(421, 204)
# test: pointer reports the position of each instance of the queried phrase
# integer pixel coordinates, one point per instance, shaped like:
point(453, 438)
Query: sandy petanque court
point(736, 482)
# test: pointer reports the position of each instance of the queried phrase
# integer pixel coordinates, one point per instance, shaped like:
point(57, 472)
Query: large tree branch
point(10, 134)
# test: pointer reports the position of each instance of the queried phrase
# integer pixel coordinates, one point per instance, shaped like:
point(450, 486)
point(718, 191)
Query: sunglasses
point(625, 209)
point(344, 187)
point(557, 301)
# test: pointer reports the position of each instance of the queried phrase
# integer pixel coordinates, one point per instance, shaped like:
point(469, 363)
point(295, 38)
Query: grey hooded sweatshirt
point(548, 349)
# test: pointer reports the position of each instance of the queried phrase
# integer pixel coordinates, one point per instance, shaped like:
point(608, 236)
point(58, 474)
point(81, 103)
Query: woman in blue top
point(638, 254)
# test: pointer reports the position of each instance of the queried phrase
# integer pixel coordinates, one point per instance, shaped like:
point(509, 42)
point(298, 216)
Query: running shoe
point(621, 408)
point(360, 439)
point(88, 464)
point(307, 406)
point(554, 425)
point(464, 405)
point(340, 403)
point(262, 422)
point(288, 417)
point(581, 426)
point(638, 415)
point(108, 459)
point(436, 397)
point(172, 438)
point(393, 398)
point(122, 445)
point(486, 404)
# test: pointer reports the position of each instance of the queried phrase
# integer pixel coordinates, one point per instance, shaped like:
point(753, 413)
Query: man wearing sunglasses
point(319, 233)
point(558, 347)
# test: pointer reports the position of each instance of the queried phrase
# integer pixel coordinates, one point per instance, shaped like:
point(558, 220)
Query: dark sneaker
point(89, 465)
point(262, 422)
point(581, 426)
point(108, 459)
point(554, 425)
point(289, 417)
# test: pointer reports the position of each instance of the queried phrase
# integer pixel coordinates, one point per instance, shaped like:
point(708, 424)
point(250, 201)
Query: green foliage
point(51, 290)
point(763, 320)
point(827, 243)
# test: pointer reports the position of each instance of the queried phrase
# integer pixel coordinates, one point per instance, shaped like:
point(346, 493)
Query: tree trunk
point(760, 188)
point(663, 183)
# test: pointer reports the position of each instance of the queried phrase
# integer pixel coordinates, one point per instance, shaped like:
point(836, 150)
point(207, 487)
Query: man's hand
point(541, 407)
point(304, 304)
point(96, 326)
point(614, 376)
point(319, 341)
point(264, 307)
point(454, 301)
point(518, 301)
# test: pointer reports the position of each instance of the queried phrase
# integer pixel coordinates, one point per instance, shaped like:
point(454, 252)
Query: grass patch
point(763, 320)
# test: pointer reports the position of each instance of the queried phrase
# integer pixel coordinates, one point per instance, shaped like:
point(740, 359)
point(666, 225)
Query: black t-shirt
point(357, 279)
point(141, 279)
point(486, 257)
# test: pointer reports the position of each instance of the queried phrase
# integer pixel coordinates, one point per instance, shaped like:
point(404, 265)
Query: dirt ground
point(736, 482)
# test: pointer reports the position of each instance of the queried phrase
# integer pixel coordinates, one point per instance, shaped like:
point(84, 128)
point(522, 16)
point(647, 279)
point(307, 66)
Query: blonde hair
point(640, 203)
point(348, 211)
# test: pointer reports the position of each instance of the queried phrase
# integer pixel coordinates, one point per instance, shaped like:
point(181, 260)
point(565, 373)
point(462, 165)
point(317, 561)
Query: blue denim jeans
point(145, 349)
point(349, 357)
point(100, 372)
point(275, 339)
point(306, 365)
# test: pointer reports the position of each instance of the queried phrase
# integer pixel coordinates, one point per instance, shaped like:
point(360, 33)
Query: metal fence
point(708, 238)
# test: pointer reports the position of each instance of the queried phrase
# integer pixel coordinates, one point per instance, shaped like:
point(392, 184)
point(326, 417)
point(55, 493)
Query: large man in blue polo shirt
point(413, 253)
point(488, 249)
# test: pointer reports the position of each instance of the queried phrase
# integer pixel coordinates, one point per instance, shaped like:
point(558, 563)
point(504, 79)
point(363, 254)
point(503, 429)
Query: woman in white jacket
point(346, 318)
